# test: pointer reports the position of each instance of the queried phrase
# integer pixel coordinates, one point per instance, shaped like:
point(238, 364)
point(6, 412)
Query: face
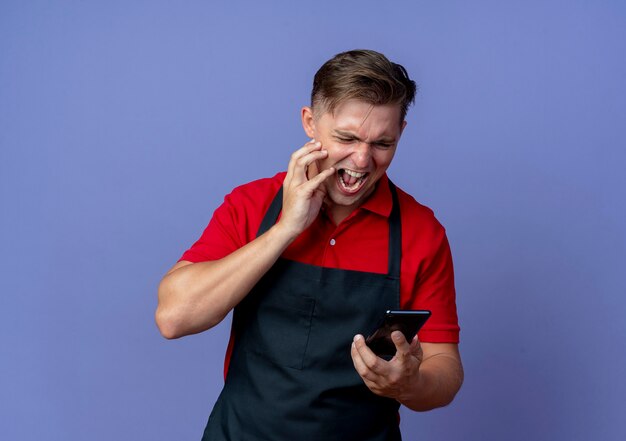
point(361, 140)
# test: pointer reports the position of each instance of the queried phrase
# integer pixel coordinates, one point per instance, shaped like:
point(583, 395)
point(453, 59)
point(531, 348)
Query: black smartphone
point(408, 322)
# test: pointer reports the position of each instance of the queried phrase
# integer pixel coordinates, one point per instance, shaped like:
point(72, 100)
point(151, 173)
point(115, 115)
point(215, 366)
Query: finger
point(306, 167)
point(302, 164)
point(361, 368)
point(297, 171)
point(312, 170)
point(302, 151)
point(309, 188)
point(373, 386)
point(315, 184)
point(415, 342)
point(416, 348)
point(371, 360)
point(305, 149)
point(403, 348)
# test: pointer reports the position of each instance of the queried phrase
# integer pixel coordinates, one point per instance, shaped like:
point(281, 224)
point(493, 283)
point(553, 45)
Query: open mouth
point(351, 181)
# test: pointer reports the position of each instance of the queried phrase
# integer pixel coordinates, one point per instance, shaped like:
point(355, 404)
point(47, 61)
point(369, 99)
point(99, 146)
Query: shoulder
point(236, 221)
point(417, 217)
point(246, 205)
point(256, 193)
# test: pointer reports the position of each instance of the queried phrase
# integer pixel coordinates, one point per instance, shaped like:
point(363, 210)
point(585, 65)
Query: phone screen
point(408, 322)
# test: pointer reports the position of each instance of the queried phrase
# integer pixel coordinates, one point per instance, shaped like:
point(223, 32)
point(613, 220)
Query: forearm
point(197, 297)
point(440, 378)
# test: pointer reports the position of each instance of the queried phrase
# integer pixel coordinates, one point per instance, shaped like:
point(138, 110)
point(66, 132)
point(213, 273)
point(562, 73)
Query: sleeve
point(234, 223)
point(433, 289)
point(221, 237)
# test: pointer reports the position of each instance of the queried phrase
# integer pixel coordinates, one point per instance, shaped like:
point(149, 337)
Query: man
point(309, 260)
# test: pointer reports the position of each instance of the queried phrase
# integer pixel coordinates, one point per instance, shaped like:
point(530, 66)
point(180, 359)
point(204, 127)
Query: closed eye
point(345, 140)
point(348, 140)
point(383, 145)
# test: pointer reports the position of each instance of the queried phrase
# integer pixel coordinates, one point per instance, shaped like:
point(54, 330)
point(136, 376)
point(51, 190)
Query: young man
point(309, 260)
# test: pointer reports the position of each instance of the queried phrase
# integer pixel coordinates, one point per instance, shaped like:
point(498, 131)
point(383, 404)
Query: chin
point(340, 199)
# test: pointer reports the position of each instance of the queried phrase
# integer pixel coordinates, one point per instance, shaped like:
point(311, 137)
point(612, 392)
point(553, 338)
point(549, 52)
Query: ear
point(403, 126)
point(308, 121)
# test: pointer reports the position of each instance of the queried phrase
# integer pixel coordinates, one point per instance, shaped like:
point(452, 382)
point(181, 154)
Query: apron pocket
point(279, 331)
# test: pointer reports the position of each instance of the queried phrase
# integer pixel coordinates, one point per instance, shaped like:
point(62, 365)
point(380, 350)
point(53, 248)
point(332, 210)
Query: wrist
point(283, 234)
point(413, 389)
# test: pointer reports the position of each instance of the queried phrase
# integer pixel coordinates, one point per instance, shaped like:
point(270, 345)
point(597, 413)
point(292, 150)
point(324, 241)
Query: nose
point(362, 154)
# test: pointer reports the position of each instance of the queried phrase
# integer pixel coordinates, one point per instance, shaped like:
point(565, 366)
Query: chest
point(360, 243)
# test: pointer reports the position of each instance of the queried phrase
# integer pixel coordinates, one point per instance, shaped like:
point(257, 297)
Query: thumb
point(402, 346)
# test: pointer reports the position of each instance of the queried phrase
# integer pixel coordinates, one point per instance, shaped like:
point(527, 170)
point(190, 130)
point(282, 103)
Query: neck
point(339, 213)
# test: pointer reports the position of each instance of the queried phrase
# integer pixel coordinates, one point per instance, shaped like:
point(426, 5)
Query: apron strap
point(395, 235)
point(271, 215)
point(395, 228)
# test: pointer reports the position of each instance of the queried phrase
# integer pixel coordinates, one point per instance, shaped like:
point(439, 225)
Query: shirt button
point(332, 242)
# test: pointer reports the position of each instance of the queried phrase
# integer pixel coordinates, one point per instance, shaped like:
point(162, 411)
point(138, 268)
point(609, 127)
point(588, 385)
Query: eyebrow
point(344, 134)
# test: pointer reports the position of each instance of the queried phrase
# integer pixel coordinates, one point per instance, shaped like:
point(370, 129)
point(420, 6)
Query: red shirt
point(358, 243)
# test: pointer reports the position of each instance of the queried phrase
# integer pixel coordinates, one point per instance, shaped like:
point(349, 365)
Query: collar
point(380, 202)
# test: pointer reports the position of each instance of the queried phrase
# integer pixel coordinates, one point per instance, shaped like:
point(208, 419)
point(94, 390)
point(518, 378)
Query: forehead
point(363, 118)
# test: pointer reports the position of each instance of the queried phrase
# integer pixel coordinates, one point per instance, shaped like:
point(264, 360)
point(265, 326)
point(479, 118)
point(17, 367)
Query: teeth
point(353, 173)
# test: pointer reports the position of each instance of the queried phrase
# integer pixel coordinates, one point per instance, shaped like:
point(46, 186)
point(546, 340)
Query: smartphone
point(408, 322)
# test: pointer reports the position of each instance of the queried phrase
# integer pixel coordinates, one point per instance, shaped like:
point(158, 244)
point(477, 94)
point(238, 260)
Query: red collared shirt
point(359, 242)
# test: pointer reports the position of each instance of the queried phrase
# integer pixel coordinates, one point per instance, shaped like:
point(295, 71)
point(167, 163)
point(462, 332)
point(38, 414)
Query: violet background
point(123, 125)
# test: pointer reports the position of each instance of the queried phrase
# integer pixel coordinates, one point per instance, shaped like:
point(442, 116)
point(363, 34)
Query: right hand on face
point(303, 189)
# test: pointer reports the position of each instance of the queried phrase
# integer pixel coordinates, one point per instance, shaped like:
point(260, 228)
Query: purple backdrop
point(123, 124)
